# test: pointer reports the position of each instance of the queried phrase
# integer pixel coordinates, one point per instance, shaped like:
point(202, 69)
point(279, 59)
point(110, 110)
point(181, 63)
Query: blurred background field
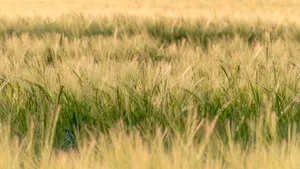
point(149, 84)
point(274, 10)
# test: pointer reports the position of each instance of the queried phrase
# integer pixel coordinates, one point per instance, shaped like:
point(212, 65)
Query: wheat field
point(149, 84)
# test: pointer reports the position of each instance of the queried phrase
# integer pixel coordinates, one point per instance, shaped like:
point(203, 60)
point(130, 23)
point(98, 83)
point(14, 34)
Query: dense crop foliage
point(98, 90)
